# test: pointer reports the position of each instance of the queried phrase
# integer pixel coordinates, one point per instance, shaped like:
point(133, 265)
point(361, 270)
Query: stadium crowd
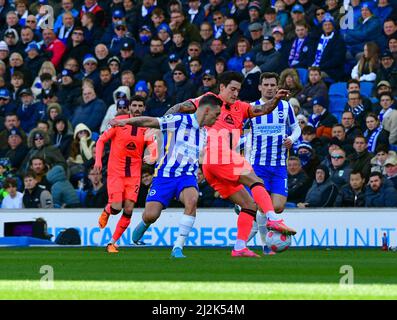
point(60, 86)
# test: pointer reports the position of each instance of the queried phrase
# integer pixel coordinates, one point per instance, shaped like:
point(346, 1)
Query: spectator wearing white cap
point(391, 169)
point(90, 69)
point(4, 51)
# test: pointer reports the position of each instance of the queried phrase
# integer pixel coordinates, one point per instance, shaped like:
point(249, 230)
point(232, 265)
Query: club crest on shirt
point(152, 192)
point(229, 119)
point(131, 146)
point(280, 114)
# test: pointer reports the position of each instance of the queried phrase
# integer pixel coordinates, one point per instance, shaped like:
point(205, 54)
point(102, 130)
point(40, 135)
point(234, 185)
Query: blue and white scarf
point(357, 109)
point(321, 47)
point(384, 114)
point(218, 31)
point(373, 138)
point(314, 120)
point(295, 51)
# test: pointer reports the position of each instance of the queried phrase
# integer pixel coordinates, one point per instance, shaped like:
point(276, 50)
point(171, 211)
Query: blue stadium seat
point(338, 89)
point(95, 136)
point(366, 88)
point(337, 104)
point(338, 115)
point(303, 75)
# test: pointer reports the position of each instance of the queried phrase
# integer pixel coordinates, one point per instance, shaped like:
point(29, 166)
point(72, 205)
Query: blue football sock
point(139, 231)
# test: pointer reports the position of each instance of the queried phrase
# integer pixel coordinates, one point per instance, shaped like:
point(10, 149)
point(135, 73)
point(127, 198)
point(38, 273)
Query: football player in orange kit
point(124, 166)
point(225, 169)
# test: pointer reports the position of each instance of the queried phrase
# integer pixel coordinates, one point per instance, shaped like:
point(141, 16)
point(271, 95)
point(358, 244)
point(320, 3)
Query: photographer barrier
point(323, 227)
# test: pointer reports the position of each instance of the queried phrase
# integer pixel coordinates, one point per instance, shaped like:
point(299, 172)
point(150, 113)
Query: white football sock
point(185, 225)
point(272, 216)
point(261, 219)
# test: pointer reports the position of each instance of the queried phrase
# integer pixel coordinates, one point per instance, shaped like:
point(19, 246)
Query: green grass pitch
point(149, 273)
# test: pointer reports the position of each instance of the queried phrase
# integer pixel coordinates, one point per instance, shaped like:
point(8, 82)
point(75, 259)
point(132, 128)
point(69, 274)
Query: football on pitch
point(277, 241)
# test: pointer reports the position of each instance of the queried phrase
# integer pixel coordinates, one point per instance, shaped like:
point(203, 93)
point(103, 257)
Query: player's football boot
point(177, 253)
point(103, 219)
point(244, 253)
point(138, 243)
point(280, 226)
point(112, 248)
point(267, 251)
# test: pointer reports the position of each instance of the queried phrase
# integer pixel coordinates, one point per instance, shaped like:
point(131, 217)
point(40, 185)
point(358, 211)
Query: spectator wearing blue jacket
point(6, 104)
point(62, 190)
point(195, 14)
point(27, 110)
point(381, 192)
point(236, 63)
point(369, 28)
point(383, 10)
point(91, 112)
point(67, 6)
point(330, 51)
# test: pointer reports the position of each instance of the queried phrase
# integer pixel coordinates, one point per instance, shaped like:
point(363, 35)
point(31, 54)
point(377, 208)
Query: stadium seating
point(366, 88)
point(338, 89)
point(337, 98)
point(303, 75)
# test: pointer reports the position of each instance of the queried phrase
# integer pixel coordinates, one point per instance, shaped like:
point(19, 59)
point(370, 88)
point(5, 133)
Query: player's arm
point(100, 145)
point(268, 106)
point(147, 122)
point(295, 128)
point(183, 107)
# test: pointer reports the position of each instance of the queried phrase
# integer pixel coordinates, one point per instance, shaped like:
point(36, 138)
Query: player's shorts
point(164, 189)
point(123, 188)
point(224, 177)
point(275, 178)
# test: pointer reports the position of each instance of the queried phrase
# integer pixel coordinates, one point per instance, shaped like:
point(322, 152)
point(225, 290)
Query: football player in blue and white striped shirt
point(176, 171)
point(270, 138)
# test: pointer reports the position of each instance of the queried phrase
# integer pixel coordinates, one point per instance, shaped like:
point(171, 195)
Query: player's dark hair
point(137, 98)
point(226, 77)
point(269, 75)
point(210, 100)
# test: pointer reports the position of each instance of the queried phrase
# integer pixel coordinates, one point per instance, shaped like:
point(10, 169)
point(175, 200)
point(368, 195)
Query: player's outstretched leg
point(244, 223)
point(258, 225)
point(150, 215)
point(189, 197)
point(264, 201)
point(262, 221)
point(110, 209)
